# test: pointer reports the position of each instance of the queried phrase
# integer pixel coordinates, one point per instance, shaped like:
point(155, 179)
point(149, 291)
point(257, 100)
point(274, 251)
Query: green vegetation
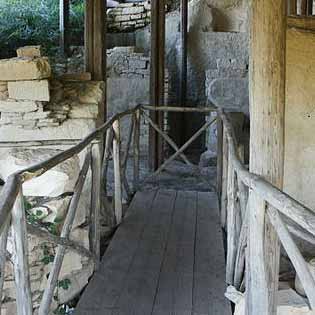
point(33, 22)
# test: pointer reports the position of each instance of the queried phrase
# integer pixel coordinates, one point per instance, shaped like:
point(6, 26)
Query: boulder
point(53, 183)
point(21, 69)
point(36, 90)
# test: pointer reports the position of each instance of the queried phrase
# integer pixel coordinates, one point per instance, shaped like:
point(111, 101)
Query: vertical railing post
point(117, 171)
point(136, 150)
point(225, 162)
point(20, 259)
point(95, 202)
point(233, 222)
point(3, 258)
point(219, 155)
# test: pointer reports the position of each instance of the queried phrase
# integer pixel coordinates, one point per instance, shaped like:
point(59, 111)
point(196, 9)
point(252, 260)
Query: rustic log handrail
point(12, 212)
point(235, 207)
point(238, 208)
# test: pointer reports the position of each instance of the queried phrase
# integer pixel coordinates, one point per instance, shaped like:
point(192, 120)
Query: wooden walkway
point(166, 258)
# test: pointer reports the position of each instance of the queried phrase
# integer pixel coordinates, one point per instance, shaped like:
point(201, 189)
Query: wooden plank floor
point(166, 258)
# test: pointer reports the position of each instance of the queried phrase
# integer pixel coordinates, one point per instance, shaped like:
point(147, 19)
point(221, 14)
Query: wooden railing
point(101, 146)
point(105, 144)
point(237, 186)
point(301, 8)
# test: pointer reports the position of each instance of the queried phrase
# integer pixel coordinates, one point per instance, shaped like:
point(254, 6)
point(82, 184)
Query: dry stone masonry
point(128, 16)
point(36, 106)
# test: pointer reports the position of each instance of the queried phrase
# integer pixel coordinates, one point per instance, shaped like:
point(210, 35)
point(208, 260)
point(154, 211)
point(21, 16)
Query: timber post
point(157, 80)
point(267, 104)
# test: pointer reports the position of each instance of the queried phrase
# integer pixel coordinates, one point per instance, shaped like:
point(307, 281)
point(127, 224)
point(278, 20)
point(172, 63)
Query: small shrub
point(33, 22)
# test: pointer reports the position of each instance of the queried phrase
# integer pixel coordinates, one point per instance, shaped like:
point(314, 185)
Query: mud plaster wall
point(299, 174)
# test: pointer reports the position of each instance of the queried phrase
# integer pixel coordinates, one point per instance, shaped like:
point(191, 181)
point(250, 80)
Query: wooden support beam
point(95, 47)
point(292, 7)
point(157, 80)
point(303, 7)
point(64, 17)
point(88, 36)
point(183, 80)
point(267, 102)
point(310, 7)
point(99, 50)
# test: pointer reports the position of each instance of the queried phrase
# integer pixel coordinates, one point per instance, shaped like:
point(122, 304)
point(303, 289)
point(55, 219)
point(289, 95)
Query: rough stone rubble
point(35, 106)
point(128, 16)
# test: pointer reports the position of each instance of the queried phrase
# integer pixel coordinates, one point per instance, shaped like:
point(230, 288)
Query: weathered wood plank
point(111, 276)
point(175, 286)
point(150, 268)
point(209, 270)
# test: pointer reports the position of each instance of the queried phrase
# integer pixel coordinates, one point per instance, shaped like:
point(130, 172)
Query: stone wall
point(34, 106)
point(128, 85)
point(213, 53)
point(127, 17)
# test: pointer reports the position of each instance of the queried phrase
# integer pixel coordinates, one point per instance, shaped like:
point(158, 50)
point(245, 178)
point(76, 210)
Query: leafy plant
point(34, 22)
point(47, 256)
point(64, 284)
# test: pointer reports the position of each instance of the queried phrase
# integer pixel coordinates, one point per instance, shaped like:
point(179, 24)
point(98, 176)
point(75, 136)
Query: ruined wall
point(128, 85)
point(36, 107)
point(299, 175)
point(127, 17)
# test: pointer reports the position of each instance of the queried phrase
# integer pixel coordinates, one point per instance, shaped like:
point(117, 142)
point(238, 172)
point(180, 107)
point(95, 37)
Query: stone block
point(87, 92)
point(133, 10)
point(21, 69)
point(29, 51)
point(11, 106)
point(3, 86)
point(72, 129)
point(83, 111)
point(37, 90)
point(122, 18)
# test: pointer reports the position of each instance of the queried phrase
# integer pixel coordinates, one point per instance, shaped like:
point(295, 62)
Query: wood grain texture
point(159, 259)
point(21, 265)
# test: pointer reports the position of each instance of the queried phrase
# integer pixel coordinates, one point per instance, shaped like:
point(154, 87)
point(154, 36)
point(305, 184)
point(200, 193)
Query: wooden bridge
point(167, 257)
point(167, 254)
